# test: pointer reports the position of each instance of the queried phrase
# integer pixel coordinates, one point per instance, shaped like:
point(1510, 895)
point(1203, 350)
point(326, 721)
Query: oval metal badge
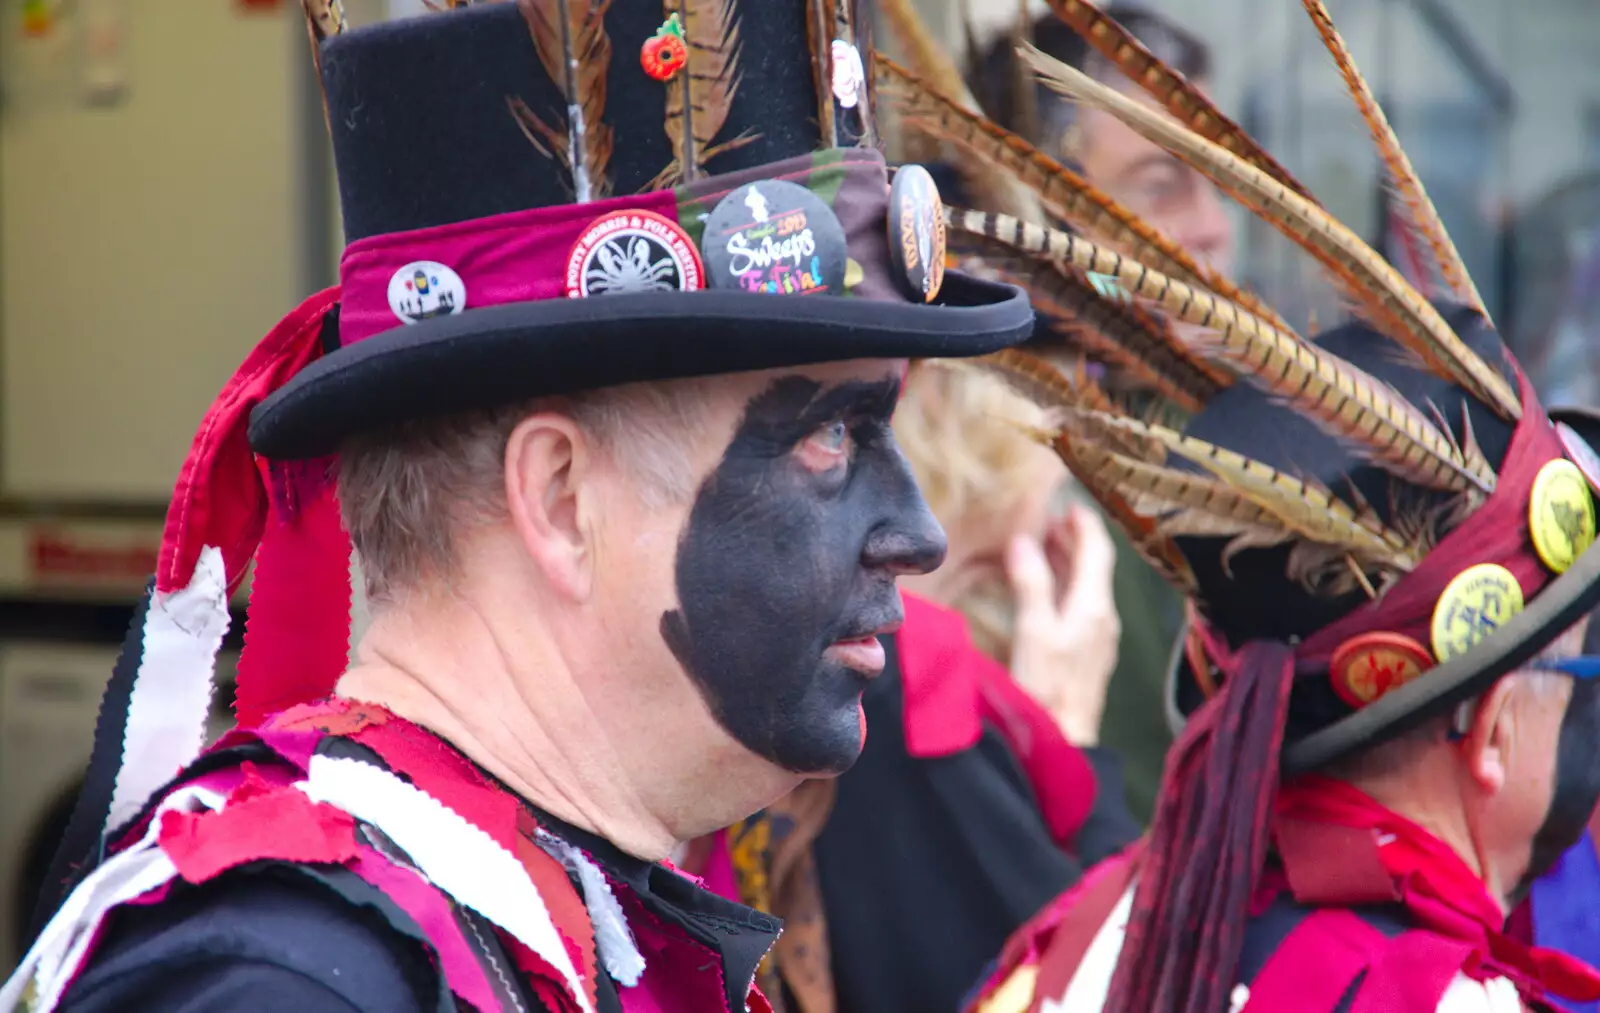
point(1582, 454)
point(1477, 602)
point(776, 238)
point(916, 233)
point(633, 251)
point(1561, 517)
point(1369, 665)
point(424, 289)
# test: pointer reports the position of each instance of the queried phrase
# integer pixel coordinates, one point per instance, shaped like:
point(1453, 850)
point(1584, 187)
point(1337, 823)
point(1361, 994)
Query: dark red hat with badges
point(546, 197)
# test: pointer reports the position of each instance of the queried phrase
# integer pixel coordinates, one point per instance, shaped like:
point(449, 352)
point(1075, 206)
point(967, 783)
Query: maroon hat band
point(815, 225)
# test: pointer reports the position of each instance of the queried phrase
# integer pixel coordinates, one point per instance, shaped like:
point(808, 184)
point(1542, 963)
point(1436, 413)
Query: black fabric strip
point(80, 849)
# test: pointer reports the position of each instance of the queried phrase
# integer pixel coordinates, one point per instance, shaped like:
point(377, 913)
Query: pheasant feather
point(571, 40)
point(1345, 401)
point(700, 97)
point(1365, 276)
point(1423, 218)
point(820, 18)
point(1127, 337)
point(1187, 104)
point(325, 18)
point(1067, 195)
point(1006, 192)
point(1307, 507)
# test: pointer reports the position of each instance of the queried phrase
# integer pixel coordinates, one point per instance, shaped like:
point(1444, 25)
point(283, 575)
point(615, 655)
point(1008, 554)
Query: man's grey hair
point(406, 493)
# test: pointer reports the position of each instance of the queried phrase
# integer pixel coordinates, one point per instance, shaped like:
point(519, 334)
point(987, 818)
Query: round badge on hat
point(633, 251)
point(1581, 453)
point(424, 289)
point(1477, 602)
point(777, 238)
point(1369, 665)
point(916, 233)
point(849, 74)
point(1561, 516)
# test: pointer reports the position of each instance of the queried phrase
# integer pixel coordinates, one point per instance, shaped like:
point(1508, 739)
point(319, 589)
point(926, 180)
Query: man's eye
point(833, 436)
point(826, 447)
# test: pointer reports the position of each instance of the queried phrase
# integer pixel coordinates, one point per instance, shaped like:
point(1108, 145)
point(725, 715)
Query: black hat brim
point(1568, 598)
point(503, 354)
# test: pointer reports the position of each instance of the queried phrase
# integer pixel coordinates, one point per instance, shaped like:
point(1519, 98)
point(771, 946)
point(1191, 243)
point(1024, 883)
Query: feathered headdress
point(1371, 526)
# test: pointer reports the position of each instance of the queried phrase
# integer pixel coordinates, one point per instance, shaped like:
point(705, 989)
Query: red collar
point(951, 689)
point(1339, 847)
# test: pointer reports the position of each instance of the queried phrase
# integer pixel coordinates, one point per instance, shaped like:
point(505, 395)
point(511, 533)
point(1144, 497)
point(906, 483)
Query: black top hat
point(544, 197)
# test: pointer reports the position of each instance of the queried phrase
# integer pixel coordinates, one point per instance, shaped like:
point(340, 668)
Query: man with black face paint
point(1390, 721)
point(619, 474)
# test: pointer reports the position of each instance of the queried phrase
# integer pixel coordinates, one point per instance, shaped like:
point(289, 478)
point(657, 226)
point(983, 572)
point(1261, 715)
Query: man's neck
point(444, 667)
point(1433, 813)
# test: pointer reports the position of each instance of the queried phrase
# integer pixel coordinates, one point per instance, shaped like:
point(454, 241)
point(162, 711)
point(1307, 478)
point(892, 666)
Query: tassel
point(1207, 844)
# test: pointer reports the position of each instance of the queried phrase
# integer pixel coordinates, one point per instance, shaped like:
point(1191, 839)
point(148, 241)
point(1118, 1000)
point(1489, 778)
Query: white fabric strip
point(456, 856)
point(1092, 981)
point(171, 694)
point(619, 952)
point(52, 962)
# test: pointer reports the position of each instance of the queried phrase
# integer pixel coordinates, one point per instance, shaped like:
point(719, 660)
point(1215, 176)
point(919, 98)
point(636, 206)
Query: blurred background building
point(166, 195)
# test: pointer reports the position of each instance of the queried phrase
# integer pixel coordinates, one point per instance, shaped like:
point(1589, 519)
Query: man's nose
point(909, 540)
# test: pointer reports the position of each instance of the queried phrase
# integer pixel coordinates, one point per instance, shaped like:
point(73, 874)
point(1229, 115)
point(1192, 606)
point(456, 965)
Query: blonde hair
point(967, 437)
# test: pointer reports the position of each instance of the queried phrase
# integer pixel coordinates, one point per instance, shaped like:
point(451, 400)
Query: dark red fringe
point(1207, 843)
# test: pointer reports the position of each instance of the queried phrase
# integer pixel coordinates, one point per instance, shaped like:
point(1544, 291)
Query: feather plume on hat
point(1297, 491)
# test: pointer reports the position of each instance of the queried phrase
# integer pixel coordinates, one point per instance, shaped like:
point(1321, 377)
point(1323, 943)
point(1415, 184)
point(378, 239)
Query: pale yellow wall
point(144, 247)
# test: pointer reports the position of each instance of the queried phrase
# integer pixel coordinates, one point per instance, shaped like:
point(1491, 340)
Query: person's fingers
point(1094, 561)
point(1031, 579)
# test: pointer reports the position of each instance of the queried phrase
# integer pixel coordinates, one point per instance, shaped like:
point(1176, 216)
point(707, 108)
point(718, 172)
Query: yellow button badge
point(1477, 602)
point(1561, 515)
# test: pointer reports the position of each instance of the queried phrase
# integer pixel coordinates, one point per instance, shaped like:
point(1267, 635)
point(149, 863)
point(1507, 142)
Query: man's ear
point(548, 465)
point(1490, 736)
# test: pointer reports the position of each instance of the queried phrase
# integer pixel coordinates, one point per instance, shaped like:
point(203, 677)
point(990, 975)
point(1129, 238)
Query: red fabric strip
point(950, 688)
point(297, 637)
point(258, 823)
point(561, 898)
point(1443, 896)
point(444, 774)
point(218, 499)
point(1316, 964)
point(1412, 972)
point(939, 677)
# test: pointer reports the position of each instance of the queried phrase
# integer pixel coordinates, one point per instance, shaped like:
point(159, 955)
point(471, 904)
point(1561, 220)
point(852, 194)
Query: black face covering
point(779, 561)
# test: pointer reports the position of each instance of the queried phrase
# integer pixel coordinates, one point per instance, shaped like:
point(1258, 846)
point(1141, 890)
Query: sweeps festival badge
point(775, 237)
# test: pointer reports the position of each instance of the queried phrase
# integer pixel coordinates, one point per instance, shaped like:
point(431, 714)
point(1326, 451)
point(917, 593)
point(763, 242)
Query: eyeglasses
point(1584, 666)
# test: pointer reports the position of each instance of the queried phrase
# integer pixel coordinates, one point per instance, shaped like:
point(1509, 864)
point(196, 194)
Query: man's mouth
point(863, 653)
